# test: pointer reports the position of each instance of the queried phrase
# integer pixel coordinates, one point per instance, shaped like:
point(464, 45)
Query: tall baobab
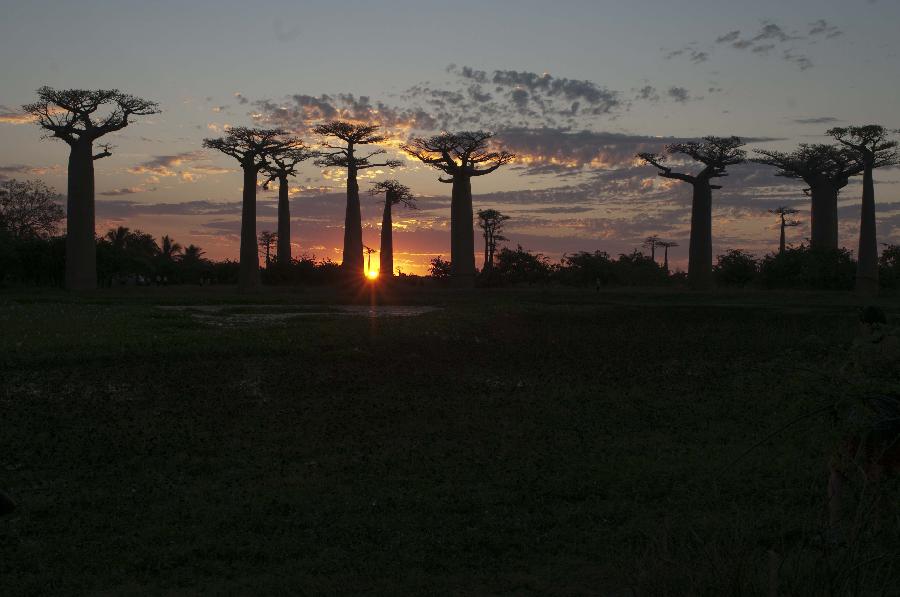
point(394, 194)
point(491, 223)
point(80, 117)
point(873, 149)
point(783, 212)
point(345, 156)
point(461, 156)
point(267, 239)
point(826, 169)
point(716, 154)
point(666, 244)
point(282, 165)
point(251, 147)
point(651, 242)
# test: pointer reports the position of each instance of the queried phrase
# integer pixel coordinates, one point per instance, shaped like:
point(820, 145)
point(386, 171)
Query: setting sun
point(372, 274)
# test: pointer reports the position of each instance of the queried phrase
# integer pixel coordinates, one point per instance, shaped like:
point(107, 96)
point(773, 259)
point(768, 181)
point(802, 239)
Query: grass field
point(522, 442)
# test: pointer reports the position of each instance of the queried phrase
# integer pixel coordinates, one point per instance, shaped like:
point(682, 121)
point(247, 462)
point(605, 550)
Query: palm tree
point(169, 250)
point(118, 237)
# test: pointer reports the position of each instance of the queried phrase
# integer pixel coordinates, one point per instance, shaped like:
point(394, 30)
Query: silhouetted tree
point(369, 250)
point(665, 244)
point(344, 156)
point(267, 241)
point(873, 149)
point(252, 148)
point(394, 194)
point(282, 165)
point(440, 268)
point(29, 209)
point(462, 156)
point(80, 117)
point(735, 268)
point(716, 154)
point(826, 169)
point(169, 249)
point(651, 242)
point(782, 212)
point(491, 223)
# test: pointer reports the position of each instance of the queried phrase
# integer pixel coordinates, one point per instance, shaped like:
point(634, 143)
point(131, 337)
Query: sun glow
point(372, 274)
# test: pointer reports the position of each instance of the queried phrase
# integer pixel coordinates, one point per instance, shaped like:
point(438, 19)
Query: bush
point(802, 267)
point(889, 267)
point(514, 267)
point(735, 268)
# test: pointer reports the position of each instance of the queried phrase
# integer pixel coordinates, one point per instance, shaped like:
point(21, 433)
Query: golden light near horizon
point(372, 274)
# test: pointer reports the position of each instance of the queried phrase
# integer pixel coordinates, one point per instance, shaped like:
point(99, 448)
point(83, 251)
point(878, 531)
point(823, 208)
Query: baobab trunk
point(867, 263)
point(823, 217)
point(781, 242)
point(248, 272)
point(462, 233)
point(81, 247)
point(700, 251)
point(387, 238)
point(666, 259)
point(284, 223)
point(353, 244)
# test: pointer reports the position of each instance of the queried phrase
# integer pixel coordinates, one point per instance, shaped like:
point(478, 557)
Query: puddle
point(245, 315)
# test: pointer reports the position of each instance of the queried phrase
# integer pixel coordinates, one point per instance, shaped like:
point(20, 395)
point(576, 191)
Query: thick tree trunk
point(353, 244)
point(284, 223)
point(248, 273)
point(386, 264)
point(823, 216)
point(81, 247)
point(487, 253)
point(462, 233)
point(700, 251)
point(867, 260)
point(666, 260)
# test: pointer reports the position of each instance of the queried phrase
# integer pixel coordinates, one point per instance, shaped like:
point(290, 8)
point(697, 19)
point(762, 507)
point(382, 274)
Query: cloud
point(822, 27)
point(122, 191)
point(729, 37)
point(11, 116)
point(818, 120)
point(189, 166)
point(679, 94)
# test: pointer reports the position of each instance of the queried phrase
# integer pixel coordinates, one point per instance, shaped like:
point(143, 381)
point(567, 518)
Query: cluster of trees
point(81, 118)
point(825, 168)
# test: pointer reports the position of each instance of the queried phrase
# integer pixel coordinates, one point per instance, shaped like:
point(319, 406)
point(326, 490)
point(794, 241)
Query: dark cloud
point(822, 27)
point(679, 94)
point(122, 191)
point(818, 120)
point(729, 37)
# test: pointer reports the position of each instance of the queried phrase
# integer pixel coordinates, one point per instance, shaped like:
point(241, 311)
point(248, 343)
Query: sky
point(574, 88)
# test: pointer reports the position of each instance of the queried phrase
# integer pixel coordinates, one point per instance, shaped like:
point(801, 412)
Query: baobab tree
point(651, 242)
point(666, 244)
point(461, 156)
point(826, 169)
point(491, 223)
point(267, 240)
point(394, 194)
point(252, 148)
point(715, 154)
point(872, 147)
point(369, 250)
point(783, 212)
point(80, 117)
point(344, 156)
point(283, 164)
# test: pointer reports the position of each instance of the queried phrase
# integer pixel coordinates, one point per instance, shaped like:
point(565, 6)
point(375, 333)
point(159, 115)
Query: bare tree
point(252, 148)
point(29, 209)
point(461, 156)
point(651, 242)
point(491, 223)
point(666, 244)
point(715, 154)
point(80, 117)
point(826, 169)
point(267, 240)
point(782, 212)
point(873, 149)
point(345, 156)
point(282, 165)
point(394, 194)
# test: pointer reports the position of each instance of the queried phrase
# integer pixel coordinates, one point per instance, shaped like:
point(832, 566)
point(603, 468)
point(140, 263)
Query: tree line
point(82, 117)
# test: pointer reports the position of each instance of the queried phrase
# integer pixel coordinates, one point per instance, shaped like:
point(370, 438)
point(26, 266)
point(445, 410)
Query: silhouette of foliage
point(804, 267)
point(735, 268)
point(491, 223)
point(439, 268)
point(29, 209)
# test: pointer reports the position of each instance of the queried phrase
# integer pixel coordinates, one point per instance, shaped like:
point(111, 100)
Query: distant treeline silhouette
point(81, 118)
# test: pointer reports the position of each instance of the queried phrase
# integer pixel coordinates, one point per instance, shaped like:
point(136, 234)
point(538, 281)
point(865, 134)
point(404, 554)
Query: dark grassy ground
point(514, 442)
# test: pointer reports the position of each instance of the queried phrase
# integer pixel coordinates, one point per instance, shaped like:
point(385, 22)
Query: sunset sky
point(575, 88)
